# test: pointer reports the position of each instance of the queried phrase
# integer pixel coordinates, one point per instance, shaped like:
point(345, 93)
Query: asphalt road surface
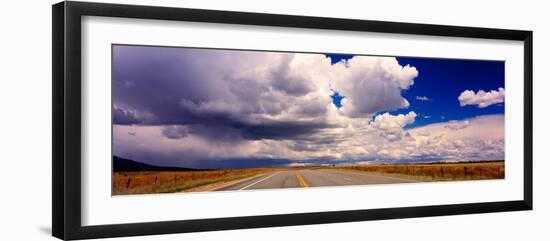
point(312, 178)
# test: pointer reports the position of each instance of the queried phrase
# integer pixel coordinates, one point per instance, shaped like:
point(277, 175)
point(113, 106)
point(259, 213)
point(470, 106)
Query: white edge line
point(258, 181)
point(234, 182)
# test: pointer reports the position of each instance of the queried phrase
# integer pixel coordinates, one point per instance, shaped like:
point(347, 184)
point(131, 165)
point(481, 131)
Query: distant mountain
point(126, 165)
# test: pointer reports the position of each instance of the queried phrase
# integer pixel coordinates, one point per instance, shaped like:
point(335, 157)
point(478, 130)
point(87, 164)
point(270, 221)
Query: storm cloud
point(190, 107)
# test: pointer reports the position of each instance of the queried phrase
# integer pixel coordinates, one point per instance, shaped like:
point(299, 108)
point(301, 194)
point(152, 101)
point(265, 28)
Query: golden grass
point(125, 183)
point(165, 182)
point(438, 171)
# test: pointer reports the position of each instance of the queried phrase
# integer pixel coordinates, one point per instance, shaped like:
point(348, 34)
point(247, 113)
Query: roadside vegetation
point(175, 181)
point(148, 182)
point(438, 171)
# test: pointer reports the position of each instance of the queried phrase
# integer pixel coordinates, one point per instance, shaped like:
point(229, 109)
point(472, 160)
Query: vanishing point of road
point(311, 178)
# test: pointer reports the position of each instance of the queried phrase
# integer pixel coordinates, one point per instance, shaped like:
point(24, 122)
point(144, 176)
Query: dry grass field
point(175, 181)
point(146, 182)
point(438, 171)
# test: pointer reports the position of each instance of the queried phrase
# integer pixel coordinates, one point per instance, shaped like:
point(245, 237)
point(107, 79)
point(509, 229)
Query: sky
point(442, 80)
point(212, 108)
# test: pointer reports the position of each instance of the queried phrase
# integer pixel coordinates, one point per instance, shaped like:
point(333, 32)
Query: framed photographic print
point(170, 120)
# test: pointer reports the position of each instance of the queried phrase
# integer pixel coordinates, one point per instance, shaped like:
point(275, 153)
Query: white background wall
point(25, 122)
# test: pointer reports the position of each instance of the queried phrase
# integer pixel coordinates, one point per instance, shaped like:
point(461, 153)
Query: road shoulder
point(219, 185)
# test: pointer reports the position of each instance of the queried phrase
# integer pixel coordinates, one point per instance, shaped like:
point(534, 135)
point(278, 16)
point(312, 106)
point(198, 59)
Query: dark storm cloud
point(237, 131)
point(123, 116)
point(175, 132)
point(290, 84)
point(210, 91)
point(241, 163)
point(213, 132)
point(160, 78)
point(280, 130)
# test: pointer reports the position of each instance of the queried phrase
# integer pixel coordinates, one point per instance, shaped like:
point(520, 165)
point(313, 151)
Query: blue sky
point(442, 81)
point(212, 108)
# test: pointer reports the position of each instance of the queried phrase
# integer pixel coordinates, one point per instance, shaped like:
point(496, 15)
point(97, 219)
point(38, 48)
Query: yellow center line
point(301, 180)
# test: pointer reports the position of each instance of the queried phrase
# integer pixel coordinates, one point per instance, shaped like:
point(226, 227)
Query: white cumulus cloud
point(391, 126)
point(457, 125)
point(423, 98)
point(371, 84)
point(482, 98)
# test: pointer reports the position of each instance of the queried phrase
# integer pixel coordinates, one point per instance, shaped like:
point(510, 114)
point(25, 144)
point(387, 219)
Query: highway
point(312, 178)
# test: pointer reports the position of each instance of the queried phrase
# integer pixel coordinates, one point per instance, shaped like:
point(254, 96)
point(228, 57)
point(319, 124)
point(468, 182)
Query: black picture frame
point(66, 158)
